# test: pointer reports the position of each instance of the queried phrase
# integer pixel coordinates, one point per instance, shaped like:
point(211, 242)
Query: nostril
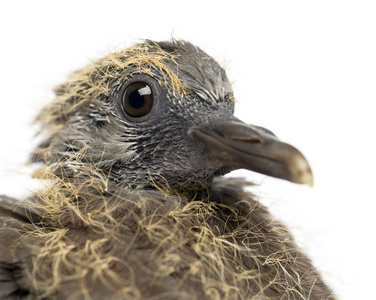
point(254, 141)
point(240, 132)
point(247, 140)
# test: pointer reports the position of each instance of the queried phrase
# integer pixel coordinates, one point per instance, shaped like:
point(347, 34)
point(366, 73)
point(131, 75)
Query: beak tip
point(303, 171)
point(307, 179)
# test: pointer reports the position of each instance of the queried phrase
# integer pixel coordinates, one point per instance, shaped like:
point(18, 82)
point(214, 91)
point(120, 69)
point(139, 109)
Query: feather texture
point(130, 210)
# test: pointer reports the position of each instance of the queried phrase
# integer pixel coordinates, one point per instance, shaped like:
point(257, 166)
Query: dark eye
point(137, 99)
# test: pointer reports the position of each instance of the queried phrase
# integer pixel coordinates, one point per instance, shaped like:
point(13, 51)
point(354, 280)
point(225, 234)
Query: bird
point(133, 203)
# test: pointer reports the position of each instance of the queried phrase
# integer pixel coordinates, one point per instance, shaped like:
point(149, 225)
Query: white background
point(304, 69)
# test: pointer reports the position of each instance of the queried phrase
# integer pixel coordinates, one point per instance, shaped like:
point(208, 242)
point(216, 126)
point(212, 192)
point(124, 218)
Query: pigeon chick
point(134, 205)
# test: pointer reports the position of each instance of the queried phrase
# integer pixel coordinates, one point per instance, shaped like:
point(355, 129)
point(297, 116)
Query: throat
point(190, 186)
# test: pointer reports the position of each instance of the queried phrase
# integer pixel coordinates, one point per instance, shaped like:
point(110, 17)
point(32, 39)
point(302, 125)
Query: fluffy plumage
point(134, 207)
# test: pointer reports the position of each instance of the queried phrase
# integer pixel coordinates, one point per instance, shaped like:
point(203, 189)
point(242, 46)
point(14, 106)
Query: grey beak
point(238, 145)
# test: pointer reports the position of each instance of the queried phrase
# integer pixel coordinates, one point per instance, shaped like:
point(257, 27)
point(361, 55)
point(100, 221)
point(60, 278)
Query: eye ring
point(137, 98)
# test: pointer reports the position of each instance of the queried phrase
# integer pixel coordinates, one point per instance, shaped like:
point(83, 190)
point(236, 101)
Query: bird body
point(134, 206)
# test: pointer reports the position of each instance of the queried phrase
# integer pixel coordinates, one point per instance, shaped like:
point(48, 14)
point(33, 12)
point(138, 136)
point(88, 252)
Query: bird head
point(158, 113)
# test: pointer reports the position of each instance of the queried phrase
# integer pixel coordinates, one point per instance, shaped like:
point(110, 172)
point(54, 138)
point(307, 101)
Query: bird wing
point(14, 219)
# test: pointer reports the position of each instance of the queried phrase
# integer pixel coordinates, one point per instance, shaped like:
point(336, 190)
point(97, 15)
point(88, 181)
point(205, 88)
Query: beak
point(238, 145)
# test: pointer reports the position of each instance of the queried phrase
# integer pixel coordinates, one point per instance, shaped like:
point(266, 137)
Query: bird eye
point(137, 99)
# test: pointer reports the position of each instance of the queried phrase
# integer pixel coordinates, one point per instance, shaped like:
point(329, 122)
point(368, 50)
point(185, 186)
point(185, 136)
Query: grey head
point(157, 114)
